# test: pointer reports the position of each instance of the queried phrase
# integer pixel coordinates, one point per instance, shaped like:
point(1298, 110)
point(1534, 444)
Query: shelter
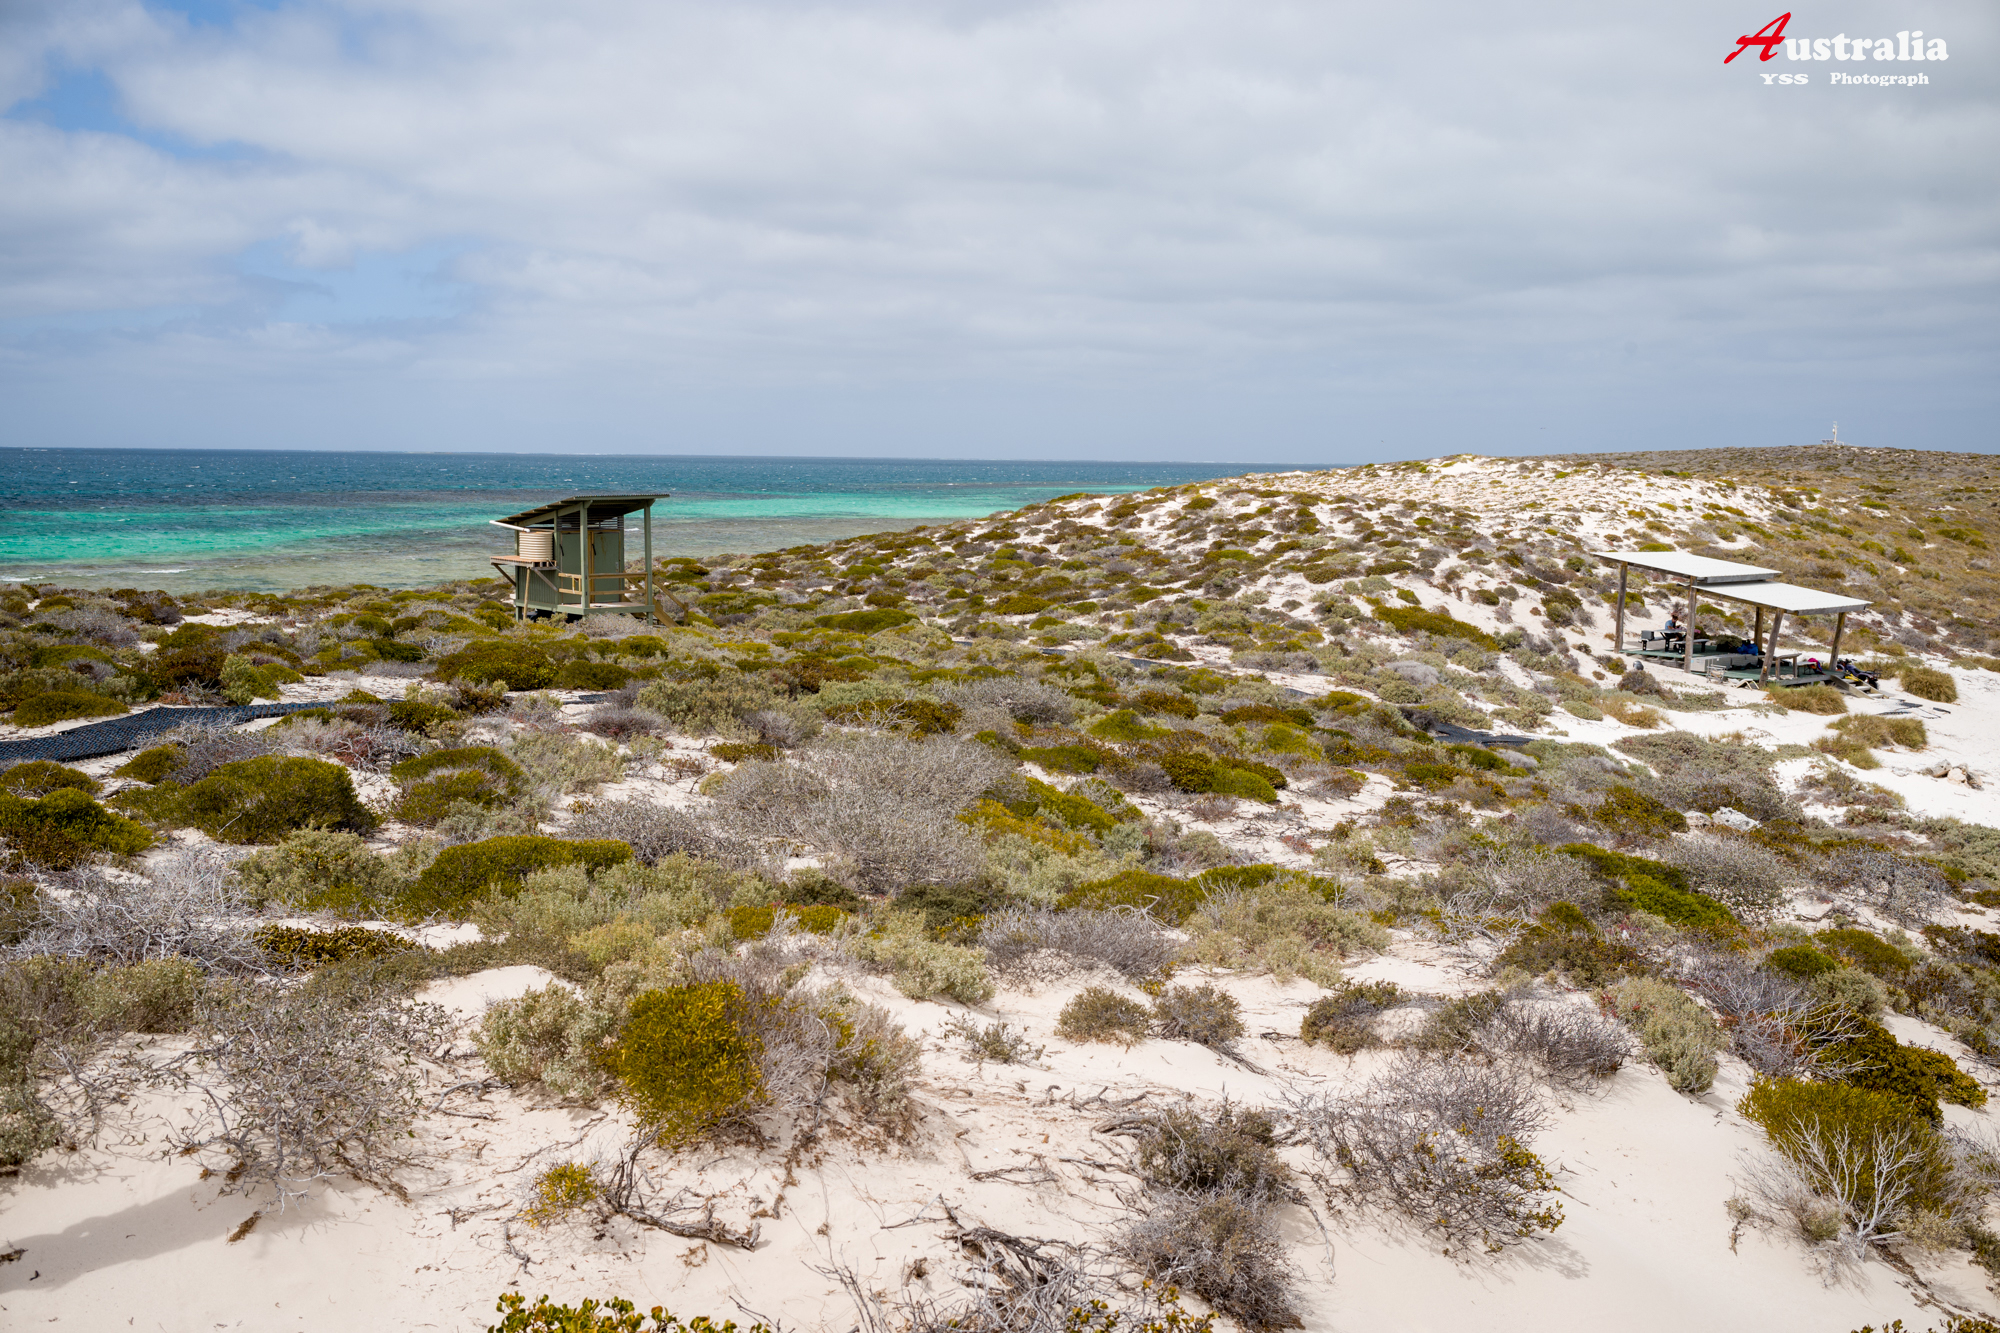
point(1746, 585)
point(569, 558)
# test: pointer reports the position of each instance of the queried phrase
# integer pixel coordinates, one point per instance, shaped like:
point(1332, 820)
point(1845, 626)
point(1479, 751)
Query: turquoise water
point(190, 520)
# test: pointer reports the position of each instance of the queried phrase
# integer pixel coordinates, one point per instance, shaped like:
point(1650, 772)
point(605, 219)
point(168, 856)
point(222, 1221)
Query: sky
point(1319, 232)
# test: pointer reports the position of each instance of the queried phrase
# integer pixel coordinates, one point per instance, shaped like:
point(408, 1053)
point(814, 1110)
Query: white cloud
point(1150, 224)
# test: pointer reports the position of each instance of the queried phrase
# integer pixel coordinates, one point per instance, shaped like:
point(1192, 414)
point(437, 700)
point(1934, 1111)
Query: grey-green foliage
point(321, 870)
point(676, 892)
point(924, 968)
point(549, 1036)
point(566, 762)
point(1679, 1035)
point(710, 707)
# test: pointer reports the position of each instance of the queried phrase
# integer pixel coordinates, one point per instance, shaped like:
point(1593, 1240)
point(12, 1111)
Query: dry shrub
point(651, 831)
point(1284, 930)
point(1204, 1014)
point(1906, 891)
point(1097, 1014)
point(1021, 941)
point(567, 762)
point(1821, 699)
point(1444, 1143)
point(1345, 1020)
point(551, 1037)
point(299, 1085)
point(186, 907)
point(883, 807)
point(1750, 879)
point(1573, 1047)
point(1225, 1149)
point(1225, 1248)
point(994, 1041)
point(621, 724)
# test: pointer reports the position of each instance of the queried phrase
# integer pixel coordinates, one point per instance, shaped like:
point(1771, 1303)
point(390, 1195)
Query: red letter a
point(1767, 37)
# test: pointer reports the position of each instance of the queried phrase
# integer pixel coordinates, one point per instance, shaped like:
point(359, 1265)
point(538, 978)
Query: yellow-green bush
point(1097, 1014)
point(435, 784)
point(560, 1191)
point(1281, 928)
point(617, 1316)
point(322, 870)
point(158, 995)
point(245, 681)
point(301, 947)
point(66, 828)
point(39, 777)
point(152, 765)
point(687, 1058)
point(522, 666)
point(63, 705)
point(261, 800)
point(1679, 1035)
point(1856, 1124)
point(462, 875)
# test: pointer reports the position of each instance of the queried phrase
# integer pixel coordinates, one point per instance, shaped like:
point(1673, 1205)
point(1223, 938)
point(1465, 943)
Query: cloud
point(1290, 228)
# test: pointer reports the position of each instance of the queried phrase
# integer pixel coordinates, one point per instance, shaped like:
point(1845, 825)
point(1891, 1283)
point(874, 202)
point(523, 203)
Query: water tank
point(538, 545)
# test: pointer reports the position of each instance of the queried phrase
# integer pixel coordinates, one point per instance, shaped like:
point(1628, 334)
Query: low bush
point(1869, 1056)
point(260, 800)
point(994, 1041)
point(1627, 810)
point(1929, 683)
point(1572, 1047)
point(1654, 886)
point(1444, 1143)
point(1020, 942)
point(1163, 897)
point(521, 665)
point(578, 674)
point(551, 1037)
point(923, 968)
point(1680, 1036)
point(1866, 950)
point(1205, 1014)
point(1285, 929)
point(43, 710)
point(158, 995)
point(67, 828)
point(687, 1059)
point(1821, 699)
point(590, 1316)
point(303, 948)
point(567, 762)
point(418, 717)
point(152, 765)
point(246, 681)
point(1223, 1247)
point(1211, 1150)
point(706, 707)
point(321, 870)
point(1097, 1014)
point(653, 832)
point(1412, 620)
point(560, 1192)
point(1345, 1020)
point(39, 777)
point(1862, 1149)
point(1569, 944)
point(435, 784)
point(462, 875)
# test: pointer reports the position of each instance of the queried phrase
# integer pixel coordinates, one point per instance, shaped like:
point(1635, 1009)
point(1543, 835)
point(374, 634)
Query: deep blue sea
point(192, 520)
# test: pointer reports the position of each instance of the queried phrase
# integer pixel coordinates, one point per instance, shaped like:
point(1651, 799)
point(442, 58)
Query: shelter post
point(1687, 631)
point(1757, 635)
point(1624, 567)
point(651, 616)
point(1764, 667)
point(1833, 653)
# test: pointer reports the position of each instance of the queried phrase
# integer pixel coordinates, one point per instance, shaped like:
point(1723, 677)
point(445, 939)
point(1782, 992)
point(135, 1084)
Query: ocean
point(189, 521)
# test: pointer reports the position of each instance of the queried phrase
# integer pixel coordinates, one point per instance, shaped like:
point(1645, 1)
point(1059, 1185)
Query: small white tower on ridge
point(1835, 437)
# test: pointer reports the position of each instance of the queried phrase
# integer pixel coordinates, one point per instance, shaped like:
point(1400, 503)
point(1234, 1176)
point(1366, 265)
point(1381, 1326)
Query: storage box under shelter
point(1745, 585)
point(569, 558)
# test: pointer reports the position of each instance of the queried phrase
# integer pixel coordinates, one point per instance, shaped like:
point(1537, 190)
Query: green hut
point(569, 558)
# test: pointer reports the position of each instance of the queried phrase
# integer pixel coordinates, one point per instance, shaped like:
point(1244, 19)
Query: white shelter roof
point(1701, 569)
point(1788, 597)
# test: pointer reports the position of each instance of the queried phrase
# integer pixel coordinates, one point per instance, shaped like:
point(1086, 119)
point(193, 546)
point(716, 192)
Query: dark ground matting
point(118, 734)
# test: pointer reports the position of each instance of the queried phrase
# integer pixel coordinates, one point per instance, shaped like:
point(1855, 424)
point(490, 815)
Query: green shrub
point(923, 967)
point(39, 777)
point(1628, 810)
point(560, 1191)
point(1565, 941)
point(1062, 758)
point(568, 762)
point(462, 875)
point(1679, 1035)
point(304, 948)
point(1097, 1014)
point(1125, 727)
point(321, 870)
point(1929, 683)
point(549, 1036)
point(612, 1316)
point(1283, 928)
point(1204, 1014)
point(687, 1058)
point(66, 828)
point(1867, 951)
point(1411, 619)
point(823, 919)
point(1169, 900)
point(1453, 1027)
point(581, 675)
point(155, 996)
point(62, 706)
point(1858, 1121)
point(260, 800)
point(1656, 887)
point(704, 707)
point(735, 752)
point(1801, 961)
point(1820, 699)
point(245, 681)
point(152, 765)
point(1870, 1057)
point(1199, 771)
point(522, 665)
point(435, 784)
point(414, 715)
point(1344, 1021)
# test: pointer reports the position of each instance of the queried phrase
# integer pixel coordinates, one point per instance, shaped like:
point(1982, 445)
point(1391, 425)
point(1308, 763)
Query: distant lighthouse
point(1835, 437)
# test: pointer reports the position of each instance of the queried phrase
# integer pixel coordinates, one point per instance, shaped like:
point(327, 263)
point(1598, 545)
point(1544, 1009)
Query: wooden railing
point(570, 586)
